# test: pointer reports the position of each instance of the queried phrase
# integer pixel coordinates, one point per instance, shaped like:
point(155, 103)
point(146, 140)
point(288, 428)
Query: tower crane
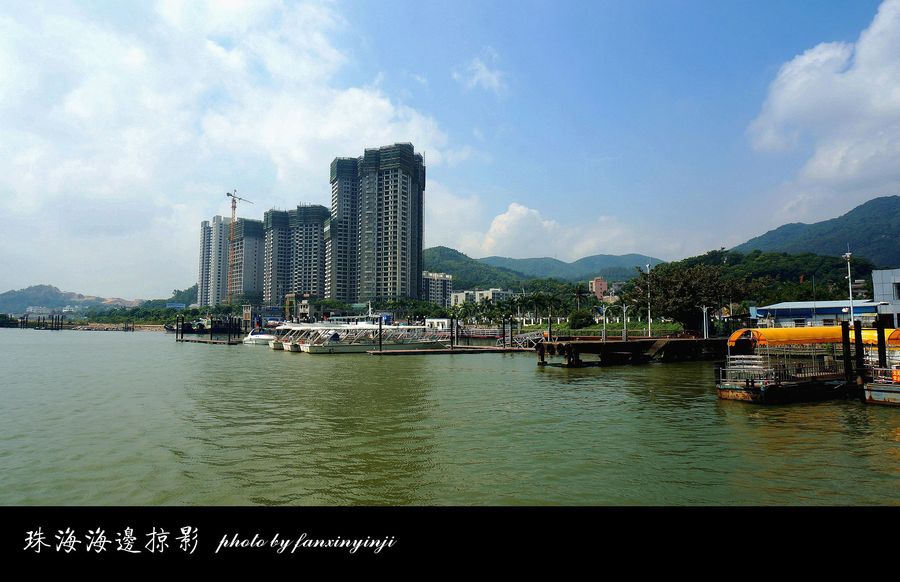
point(231, 265)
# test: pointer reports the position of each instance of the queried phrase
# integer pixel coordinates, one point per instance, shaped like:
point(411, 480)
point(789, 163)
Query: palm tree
point(466, 311)
point(579, 292)
point(538, 302)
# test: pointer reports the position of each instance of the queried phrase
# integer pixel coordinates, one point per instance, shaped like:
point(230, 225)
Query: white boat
point(289, 337)
point(258, 337)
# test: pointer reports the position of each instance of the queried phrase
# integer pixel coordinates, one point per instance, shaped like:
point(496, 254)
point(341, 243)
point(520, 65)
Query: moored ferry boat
point(884, 385)
point(364, 337)
point(781, 365)
point(803, 364)
point(290, 337)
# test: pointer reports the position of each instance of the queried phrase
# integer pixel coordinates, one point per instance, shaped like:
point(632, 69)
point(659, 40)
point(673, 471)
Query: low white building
point(437, 323)
point(461, 297)
point(493, 295)
point(815, 313)
point(477, 296)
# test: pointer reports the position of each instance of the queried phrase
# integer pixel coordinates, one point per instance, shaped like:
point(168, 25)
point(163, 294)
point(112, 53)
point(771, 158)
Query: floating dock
point(454, 350)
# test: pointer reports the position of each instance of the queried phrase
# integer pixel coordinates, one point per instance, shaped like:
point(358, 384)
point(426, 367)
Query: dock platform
point(233, 342)
point(635, 351)
point(455, 350)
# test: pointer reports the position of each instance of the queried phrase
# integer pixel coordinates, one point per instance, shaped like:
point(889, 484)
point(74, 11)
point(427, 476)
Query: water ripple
point(135, 419)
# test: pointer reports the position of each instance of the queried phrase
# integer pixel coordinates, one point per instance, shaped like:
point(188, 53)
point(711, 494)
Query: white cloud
point(841, 101)
point(522, 232)
point(478, 73)
point(152, 123)
point(452, 220)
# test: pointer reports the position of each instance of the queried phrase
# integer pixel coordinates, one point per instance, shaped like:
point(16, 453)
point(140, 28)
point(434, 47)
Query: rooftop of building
point(820, 304)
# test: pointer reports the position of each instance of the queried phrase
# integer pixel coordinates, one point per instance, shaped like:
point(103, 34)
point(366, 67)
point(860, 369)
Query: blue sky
point(550, 128)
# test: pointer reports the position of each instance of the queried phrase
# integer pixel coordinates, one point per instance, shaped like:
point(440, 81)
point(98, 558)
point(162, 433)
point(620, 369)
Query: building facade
point(277, 255)
point(307, 224)
point(247, 264)
point(460, 297)
point(598, 286)
point(886, 289)
point(492, 295)
point(205, 257)
point(374, 236)
point(212, 280)
point(294, 253)
point(437, 288)
point(342, 232)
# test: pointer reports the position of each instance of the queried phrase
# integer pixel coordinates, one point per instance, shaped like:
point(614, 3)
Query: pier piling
point(845, 344)
point(859, 350)
point(882, 345)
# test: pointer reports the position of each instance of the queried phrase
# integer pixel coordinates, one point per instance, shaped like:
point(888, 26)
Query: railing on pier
point(525, 340)
point(886, 376)
point(759, 368)
point(480, 332)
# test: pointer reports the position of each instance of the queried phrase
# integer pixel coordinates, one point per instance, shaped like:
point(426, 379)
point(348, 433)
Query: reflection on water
point(133, 419)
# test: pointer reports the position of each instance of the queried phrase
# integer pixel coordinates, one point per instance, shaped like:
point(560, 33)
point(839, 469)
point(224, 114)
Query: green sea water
point(112, 418)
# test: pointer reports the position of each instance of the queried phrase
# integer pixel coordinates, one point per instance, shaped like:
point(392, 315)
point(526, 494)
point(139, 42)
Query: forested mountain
point(610, 267)
point(872, 230)
point(469, 273)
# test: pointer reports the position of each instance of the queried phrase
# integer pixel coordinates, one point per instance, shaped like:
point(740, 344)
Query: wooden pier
point(634, 351)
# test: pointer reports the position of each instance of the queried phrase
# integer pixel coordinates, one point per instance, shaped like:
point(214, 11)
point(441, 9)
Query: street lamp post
point(625, 322)
point(605, 309)
point(847, 256)
point(649, 332)
point(705, 321)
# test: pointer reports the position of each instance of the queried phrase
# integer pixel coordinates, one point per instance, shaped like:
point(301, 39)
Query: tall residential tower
point(294, 257)
point(374, 240)
point(247, 247)
point(212, 280)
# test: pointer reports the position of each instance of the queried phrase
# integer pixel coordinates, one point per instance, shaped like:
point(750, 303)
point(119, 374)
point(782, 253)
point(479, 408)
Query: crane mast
point(231, 258)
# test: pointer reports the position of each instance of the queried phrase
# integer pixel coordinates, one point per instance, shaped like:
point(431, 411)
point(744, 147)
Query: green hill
point(610, 267)
point(186, 296)
point(872, 230)
point(469, 273)
point(18, 300)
